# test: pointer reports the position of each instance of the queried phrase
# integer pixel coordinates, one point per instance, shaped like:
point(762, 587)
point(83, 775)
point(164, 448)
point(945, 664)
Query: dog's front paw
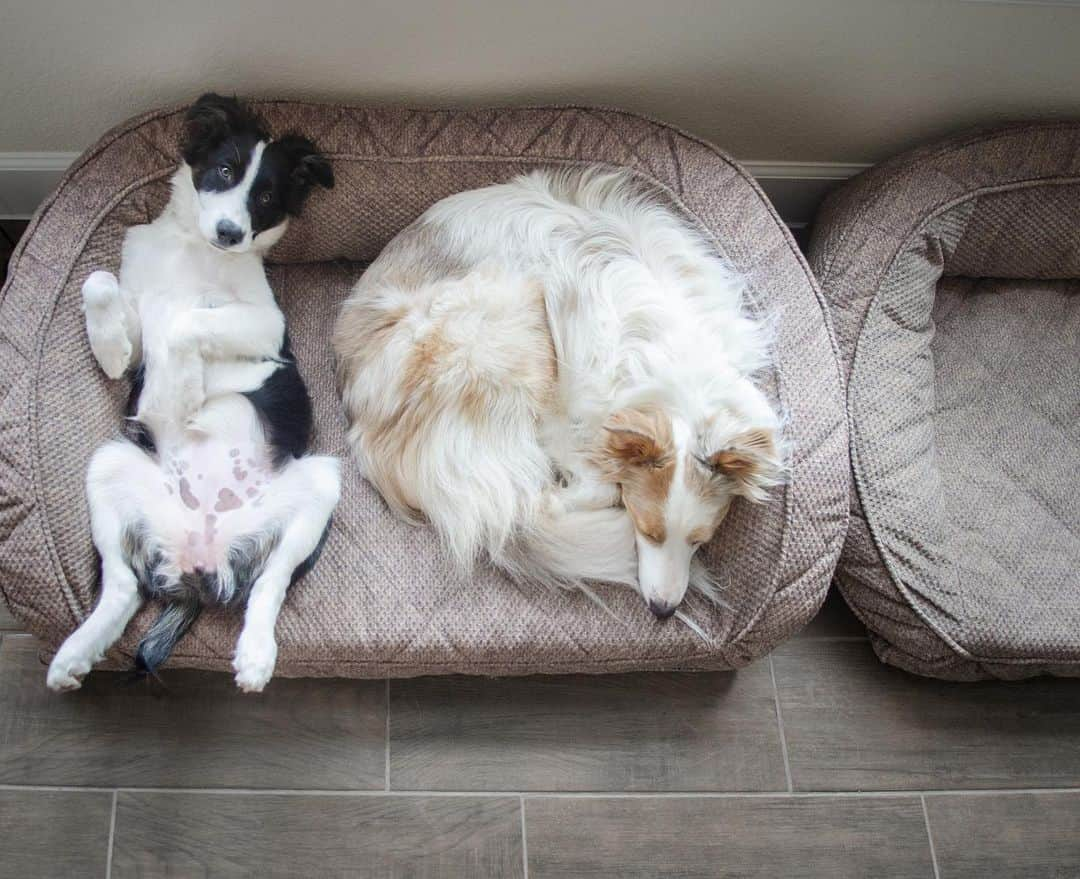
point(105, 324)
point(254, 663)
point(100, 291)
point(66, 672)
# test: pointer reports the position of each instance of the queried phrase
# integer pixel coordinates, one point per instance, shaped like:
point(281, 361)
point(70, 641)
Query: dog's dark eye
point(226, 172)
point(266, 198)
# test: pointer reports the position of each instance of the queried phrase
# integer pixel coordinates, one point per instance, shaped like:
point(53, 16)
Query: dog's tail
point(578, 548)
point(170, 627)
point(570, 548)
point(455, 438)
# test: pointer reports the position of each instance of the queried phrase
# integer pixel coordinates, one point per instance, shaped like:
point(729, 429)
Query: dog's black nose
point(661, 609)
point(229, 234)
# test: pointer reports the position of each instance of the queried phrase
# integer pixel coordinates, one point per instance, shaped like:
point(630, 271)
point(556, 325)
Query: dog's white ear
point(751, 460)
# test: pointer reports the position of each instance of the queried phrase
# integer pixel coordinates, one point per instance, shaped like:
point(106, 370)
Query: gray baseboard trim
point(27, 178)
point(796, 188)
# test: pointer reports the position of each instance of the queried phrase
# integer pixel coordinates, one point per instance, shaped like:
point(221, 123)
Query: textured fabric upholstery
point(381, 601)
point(953, 277)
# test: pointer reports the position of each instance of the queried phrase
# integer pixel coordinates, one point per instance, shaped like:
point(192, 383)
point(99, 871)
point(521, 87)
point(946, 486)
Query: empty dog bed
point(382, 601)
point(953, 276)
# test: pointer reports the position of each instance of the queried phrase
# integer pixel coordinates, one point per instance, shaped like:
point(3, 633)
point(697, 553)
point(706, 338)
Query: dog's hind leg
point(302, 499)
point(119, 473)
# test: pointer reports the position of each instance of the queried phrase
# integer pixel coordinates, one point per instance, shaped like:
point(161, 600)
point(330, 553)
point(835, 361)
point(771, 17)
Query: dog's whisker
point(603, 605)
point(692, 626)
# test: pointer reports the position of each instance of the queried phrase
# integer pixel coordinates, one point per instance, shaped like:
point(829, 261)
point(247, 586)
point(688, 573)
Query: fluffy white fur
point(204, 324)
point(556, 372)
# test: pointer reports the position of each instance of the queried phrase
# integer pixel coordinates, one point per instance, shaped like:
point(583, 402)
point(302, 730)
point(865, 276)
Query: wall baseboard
point(27, 178)
point(796, 188)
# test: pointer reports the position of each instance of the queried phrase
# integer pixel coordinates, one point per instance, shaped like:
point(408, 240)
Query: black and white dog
point(210, 499)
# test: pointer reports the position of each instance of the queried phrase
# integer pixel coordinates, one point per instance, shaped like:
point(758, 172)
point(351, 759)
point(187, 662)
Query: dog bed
point(953, 276)
point(381, 601)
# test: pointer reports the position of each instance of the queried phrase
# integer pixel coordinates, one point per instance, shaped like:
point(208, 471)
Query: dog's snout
point(229, 234)
point(661, 609)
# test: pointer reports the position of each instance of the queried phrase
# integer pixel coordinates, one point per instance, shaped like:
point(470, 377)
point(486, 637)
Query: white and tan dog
point(211, 500)
point(557, 372)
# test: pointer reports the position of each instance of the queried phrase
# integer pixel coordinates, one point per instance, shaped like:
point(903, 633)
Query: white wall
point(801, 80)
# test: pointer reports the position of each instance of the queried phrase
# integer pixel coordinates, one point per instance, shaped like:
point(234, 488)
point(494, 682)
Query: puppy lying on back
point(557, 372)
point(210, 499)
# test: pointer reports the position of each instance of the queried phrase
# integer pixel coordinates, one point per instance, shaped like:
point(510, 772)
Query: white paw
point(105, 325)
point(66, 672)
point(100, 291)
point(254, 662)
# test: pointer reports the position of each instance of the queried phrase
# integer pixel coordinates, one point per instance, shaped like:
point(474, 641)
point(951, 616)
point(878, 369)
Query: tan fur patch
point(639, 436)
point(532, 373)
point(714, 492)
point(395, 441)
point(637, 451)
point(746, 454)
point(425, 363)
point(645, 501)
point(367, 322)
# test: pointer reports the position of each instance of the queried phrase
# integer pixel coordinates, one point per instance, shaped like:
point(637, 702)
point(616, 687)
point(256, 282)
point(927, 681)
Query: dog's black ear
point(307, 167)
point(315, 168)
point(211, 119)
point(206, 125)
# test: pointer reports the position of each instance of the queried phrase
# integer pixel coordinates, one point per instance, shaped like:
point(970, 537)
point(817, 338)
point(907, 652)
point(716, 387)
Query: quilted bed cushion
point(381, 601)
point(954, 274)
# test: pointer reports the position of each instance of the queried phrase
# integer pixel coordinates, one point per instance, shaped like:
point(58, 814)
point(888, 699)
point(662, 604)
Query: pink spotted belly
point(217, 491)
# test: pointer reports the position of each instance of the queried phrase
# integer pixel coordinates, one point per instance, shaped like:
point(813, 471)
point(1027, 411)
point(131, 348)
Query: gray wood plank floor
point(197, 733)
point(854, 724)
point(54, 833)
point(835, 837)
point(616, 776)
point(1007, 836)
point(181, 834)
point(613, 732)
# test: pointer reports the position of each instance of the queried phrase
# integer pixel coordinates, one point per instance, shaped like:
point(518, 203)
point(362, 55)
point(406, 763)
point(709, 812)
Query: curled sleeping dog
point(211, 499)
point(558, 374)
